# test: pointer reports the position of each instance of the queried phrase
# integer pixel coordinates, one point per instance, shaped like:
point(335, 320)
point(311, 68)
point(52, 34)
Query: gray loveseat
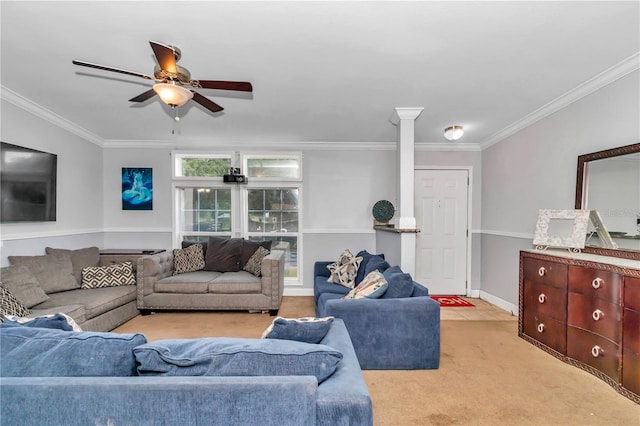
point(160, 289)
point(51, 283)
point(341, 399)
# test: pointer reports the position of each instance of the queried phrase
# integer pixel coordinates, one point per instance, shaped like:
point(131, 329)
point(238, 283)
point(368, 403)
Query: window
point(267, 208)
point(273, 215)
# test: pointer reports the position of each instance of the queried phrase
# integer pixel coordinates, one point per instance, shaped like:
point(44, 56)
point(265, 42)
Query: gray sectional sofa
point(160, 289)
point(51, 283)
point(127, 398)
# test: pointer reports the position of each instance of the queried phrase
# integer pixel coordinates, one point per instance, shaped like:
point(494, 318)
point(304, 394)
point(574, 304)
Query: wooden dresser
point(585, 310)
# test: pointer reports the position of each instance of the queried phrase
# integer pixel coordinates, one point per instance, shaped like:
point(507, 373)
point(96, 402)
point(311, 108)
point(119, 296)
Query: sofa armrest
point(273, 277)
point(320, 269)
point(155, 400)
point(401, 333)
point(151, 269)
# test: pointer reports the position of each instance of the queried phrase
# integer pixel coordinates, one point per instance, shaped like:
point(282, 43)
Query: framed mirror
point(609, 182)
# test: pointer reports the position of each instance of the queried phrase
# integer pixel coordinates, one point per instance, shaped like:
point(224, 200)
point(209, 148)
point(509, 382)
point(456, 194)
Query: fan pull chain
point(175, 118)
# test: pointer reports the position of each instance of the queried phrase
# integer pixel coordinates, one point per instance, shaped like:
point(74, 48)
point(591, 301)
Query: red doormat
point(451, 301)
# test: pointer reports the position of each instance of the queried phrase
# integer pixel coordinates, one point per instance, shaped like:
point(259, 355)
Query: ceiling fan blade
point(105, 68)
point(143, 96)
point(205, 102)
point(165, 56)
point(241, 86)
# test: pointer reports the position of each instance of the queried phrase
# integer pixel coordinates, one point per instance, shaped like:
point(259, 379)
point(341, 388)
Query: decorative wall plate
point(383, 211)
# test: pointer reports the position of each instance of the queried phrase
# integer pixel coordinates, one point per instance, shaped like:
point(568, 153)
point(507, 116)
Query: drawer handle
point(597, 315)
point(542, 298)
point(540, 327)
point(542, 271)
point(596, 351)
point(597, 283)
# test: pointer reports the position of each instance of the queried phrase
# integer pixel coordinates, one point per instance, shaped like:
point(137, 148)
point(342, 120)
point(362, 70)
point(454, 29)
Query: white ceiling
point(323, 72)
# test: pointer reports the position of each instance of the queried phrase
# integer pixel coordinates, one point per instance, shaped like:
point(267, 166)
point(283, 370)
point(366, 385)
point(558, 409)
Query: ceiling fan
point(171, 78)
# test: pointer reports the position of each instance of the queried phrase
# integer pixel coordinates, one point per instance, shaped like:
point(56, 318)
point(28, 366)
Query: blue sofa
point(341, 399)
point(387, 333)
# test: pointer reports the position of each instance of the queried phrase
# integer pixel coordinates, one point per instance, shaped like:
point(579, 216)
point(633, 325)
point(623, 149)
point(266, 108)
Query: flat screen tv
point(27, 184)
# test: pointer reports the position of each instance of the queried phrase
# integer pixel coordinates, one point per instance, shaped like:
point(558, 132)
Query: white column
point(404, 120)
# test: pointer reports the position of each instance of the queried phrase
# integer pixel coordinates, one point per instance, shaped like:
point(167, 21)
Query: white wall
point(79, 187)
point(536, 169)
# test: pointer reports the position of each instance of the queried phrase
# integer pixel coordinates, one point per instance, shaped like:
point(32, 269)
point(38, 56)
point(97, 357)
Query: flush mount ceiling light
point(453, 133)
point(172, 94)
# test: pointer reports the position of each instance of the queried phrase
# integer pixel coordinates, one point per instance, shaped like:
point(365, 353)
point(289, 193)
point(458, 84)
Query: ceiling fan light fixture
point(453, 133)
point(172, 94)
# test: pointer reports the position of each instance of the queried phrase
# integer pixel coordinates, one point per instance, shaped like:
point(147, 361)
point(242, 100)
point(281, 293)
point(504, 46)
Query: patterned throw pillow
point(372, 286)
point(345, 269)
point(108, 276)
point(9, 305)
point(254, 264)
point(189, 259)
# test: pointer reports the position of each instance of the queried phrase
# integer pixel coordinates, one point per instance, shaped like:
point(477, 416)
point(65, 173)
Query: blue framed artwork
point(137, 188)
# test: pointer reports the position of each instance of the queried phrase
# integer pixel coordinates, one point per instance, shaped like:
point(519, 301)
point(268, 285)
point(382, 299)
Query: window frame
point(245, 157)
point(176, 164)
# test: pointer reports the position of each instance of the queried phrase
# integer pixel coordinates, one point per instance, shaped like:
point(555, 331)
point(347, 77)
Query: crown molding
point(444, 146)
point(48, 115)
point(608, 76)
point(235, 145)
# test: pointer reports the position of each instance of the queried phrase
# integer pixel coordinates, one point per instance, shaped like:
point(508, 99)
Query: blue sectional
point(126, 398)
point(393, 333)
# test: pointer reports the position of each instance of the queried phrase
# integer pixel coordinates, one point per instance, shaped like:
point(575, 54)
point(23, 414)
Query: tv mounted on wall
point(27, 184)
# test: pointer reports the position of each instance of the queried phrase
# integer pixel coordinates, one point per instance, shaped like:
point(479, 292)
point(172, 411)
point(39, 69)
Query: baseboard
point(500, 303)
point(298, 291)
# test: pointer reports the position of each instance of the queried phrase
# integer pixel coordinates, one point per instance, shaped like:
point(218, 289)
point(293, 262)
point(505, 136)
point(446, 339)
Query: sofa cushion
point(400, 283)
point(241, 282)
point(373, 286)
point(223, 356)
point(366, 256)
point(189, 259)
point(223, 254)
point(23, 285)
point(58, 321)
point(307, 329)
point(254, 264)
point(108, 276)
point(54, 272)
point(95, 302)
point(9, 305)
point(345, 269)
point(53, 352)
point(249, 248)
point(376, 262)
point(80, 259)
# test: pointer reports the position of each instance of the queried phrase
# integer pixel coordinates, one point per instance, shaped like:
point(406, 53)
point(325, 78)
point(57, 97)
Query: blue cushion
point(226, 356)
point(309, 330)
point(43, 352)
point(56, 321)
point(376, 262)
point(366, 256)
point(400, 283)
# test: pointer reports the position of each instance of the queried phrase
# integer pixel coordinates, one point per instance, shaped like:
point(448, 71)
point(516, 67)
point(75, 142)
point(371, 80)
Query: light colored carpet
point(487, 374)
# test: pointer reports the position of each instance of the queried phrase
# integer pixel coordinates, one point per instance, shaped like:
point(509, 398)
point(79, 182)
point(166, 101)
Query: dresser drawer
point(631, 327)
point(604, 285)
point(595, 315)
point(546, 330)
point(631, 370)
point(594, 350)
point(545, 272)
point(632, 293)
point(545, 300)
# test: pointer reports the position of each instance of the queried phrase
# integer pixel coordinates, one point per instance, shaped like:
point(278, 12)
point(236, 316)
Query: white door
point(441, 216)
